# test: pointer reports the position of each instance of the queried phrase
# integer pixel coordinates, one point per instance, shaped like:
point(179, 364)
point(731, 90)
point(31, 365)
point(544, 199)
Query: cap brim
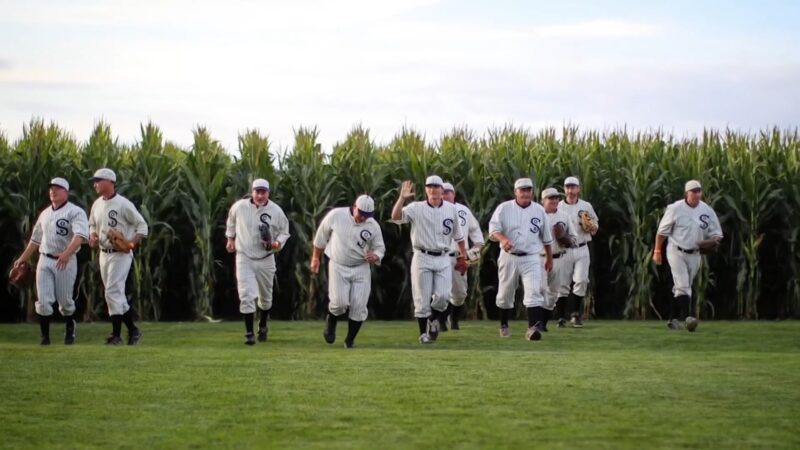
point(365, 214)
point(260, 188)
point(57, 185)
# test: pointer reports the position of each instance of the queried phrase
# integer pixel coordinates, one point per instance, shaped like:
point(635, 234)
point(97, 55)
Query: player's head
point(448, 193)
point(104, 181)
point(433, 188)
point(572, 186)
point(260, 192)
point(693, 192)
point(363, 208)
point(58, 190)
point(523, 191)
point(550, 199)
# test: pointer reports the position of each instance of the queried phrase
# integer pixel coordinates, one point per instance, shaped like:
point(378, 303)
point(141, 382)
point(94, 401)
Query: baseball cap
point(572, 181)
point(60, 182)
point(550, 192)
point(448, 187)
point(260, 183)
point(365, 205)
point(104, 174)
point(434, 180)
point(523, 183)
point(692, 185)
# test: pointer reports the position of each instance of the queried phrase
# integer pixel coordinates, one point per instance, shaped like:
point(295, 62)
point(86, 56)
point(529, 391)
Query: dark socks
point(575, 305)
point(535, 314)
point(352, 330)
point(546, 315)
point(116, 325)
point(423, 324)
point(331, 321)
point(128, 319)
point(248, 322)
point(455, 313)
point(262, 319)
point(504, 313)
point(70, 325)
point(561, 307)
point(44, 326)
point(683, 306)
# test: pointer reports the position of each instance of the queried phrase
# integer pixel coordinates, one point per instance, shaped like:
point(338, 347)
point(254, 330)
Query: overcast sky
point(431, 65)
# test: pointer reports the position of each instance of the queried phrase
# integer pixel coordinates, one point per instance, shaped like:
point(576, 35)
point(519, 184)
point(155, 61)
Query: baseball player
point(472, 228)
point(522, 228)
point(434, 226)
point(352, 240)
point(577, 259)
point(686, 223)
point(558, 276)
point(255, 258)
point(113, 211)
point(58, 234)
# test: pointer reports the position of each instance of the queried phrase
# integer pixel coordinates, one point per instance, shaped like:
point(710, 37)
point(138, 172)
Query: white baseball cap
point(365, 205)
point(60, 182)
point(523, 183)
point(692, 185)
point(104, 174)
point(572, 181)
point(550, 192)
point(434, 180)
point(260, 183)
point(448, 187)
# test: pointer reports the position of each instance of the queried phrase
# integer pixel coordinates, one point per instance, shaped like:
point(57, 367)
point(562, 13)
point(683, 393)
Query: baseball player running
point(472, 228)
point(58, 234)
point(352, 240)
point(577, 259)
point(522, 228)
point(558, 276)
point(112, 211)
point(434, 226)
point(688, 224)
point(256, 229)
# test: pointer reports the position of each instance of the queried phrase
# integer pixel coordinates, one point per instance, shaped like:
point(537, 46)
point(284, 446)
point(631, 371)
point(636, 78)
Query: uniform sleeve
point(714, 227)
point(667, 222)
point(80, 224)
point(495, 223)
point(323, 234)
point(475, 233)
point(409, 213)
point(377, 245)
point(136, 219)
point(282, 228)
point(546, 231)
point(594, 215)
point(36, 236)
point(230, 224)
point(92, 219)
point(458, 232)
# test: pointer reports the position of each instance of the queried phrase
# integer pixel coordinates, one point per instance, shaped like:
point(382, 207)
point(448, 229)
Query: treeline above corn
point(183, 272)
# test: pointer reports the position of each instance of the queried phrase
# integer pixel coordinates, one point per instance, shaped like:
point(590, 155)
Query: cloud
point(598, 29)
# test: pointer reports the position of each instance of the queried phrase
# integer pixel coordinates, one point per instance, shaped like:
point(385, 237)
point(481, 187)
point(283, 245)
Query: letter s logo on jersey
point(462, 218)
point(62, 227)
point(535, 225)
point(364, 236)
point(112, 218)
point(448, 227)
point(705, 220)
point(263, 218)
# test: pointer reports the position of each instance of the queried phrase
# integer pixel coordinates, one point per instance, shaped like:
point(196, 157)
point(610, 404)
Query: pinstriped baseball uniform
point(529, 230)
point(433, 229)
point(119, 213)
point(577, 260)
point(685, 226)
point(53, 231)
point(255, 266)
point(346, 243)
point(472, 228)
point(559, 276)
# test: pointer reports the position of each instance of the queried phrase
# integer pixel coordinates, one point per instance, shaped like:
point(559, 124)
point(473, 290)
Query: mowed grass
point(609, 385)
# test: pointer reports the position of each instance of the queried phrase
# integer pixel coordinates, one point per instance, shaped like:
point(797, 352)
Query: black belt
point(688, 252)
point(49, 255)
point(108, 250)
point(453, 254)
point(518, 253)
point(429, 252)
point(583, 244)
point(555, 255)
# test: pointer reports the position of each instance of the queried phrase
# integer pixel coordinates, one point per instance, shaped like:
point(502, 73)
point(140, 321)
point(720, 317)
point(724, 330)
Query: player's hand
point(93, 240)
point(657, 257)
point(276, 245)
point(371, 257)
point(314, 265)
point(18, 262)
point(407, 190)
point(548, 265)
point(63, 260)
point(506, 244)
point(230, 246)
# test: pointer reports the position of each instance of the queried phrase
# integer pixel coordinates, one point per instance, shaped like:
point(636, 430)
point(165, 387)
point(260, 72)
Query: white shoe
point(425, 339)
point(433, 329)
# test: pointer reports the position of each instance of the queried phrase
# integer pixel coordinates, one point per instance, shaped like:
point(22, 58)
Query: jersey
point(244, 224)
point(527, 227)
point(433, 228)
point(116, 212)
point(686, 225)
point(55, 227)
point(345, 241)
point(574, 213)
point(469, 224)
point(561, 217)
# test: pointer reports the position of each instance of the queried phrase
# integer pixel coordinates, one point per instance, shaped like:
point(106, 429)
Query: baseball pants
point(431, 283)
point(459, 280)
point(553, 280)
point(576, 266)
point(510, 269)
point(114, 268)
point(53, 285)
point(684, 267)
point(348, 289)
point(254, 278)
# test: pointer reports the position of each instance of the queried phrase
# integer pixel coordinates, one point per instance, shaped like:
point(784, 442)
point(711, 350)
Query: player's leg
point(580, 280)
point(507, 279)
point(681, 285)
point(247, 288)
point(693, 262)
point(339, 281)
point(64, 291)
point(441, 272)
point(457, 298)
point(117, 266)
point(359, 296)
point(264, 272)
point(421, 291)
point(565, 289)
point(531, 273)
point(45, 292)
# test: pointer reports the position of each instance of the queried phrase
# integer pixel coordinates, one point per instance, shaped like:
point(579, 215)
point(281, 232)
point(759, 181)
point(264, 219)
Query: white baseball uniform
point(529, 230)
point(684, 226)
point(577, 259)
point(472, 228)
point(349, 277)
point(559, 276)
point(119, 213)
point(53, 231)
point(433, 229)
point(255, 266)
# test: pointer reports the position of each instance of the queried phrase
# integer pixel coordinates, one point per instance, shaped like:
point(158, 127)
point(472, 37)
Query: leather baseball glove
point(266, 236)
point(461, 265)
point(21, 275)
point(561, 236)
point(708, 246)
point(473, 256)
point(118, 241)
point(587, 223)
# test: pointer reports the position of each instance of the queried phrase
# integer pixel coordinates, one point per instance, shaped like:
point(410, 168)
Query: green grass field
point(609, 385)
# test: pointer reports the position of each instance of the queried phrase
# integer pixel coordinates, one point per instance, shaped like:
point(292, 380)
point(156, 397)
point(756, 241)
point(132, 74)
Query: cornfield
point(182, 271)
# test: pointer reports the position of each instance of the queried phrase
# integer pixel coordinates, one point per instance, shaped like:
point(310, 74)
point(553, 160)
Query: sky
point(231, 66)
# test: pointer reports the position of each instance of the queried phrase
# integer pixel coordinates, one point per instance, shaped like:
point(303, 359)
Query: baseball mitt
point(708, 246)
point(473, 256)
point(118, 241)
point(461, 266)
point(587, 223)
point(21, 275)
point(266, 236)
point(691, 324)
point(561, 236)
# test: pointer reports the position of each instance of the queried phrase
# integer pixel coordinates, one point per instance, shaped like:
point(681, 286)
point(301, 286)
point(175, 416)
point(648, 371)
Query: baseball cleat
point(544, 328)
point(534, 333)
point(262, 334)
point(674, 324)
point(113, 340)
point(348, 344)
point(433, 329)
point(134, 337)
point(69, 339)
point(250, 339)
point(691, 324)
point(562, 323)
point(45, 340)
point(504, 331)
point(425, 339)
point(576, 322)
